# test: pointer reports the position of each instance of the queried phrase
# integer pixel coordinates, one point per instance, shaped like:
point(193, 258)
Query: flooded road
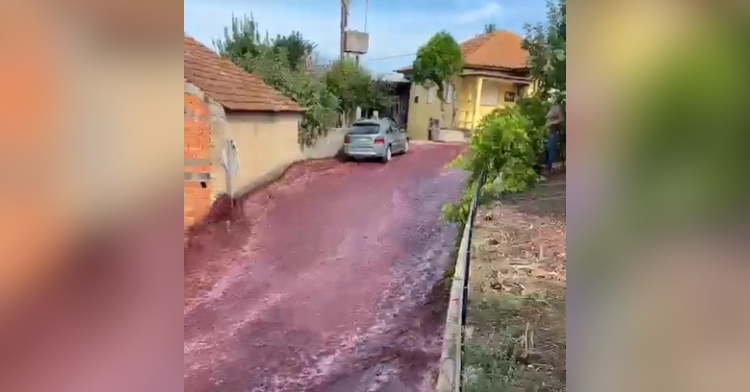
point(327, 282)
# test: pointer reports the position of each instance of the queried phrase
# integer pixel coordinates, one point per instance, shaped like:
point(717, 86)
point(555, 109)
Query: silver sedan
point(375, 138)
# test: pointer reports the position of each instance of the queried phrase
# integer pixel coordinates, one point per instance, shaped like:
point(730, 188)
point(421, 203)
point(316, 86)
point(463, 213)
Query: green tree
point(310, 92)
point(355, 87)
point(438, 63)
point(350, 82)
point(241, 39)
point(280, 62)
point(380, 95)
point(546, 45)
point(276, 62)
point(489, 28)
point(298, 49)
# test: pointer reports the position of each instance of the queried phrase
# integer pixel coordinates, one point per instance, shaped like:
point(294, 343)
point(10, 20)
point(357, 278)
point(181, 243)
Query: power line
point(391, 57)
point(345, 4)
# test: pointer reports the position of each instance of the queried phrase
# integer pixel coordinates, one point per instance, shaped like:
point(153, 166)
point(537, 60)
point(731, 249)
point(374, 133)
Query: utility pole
point(344, 24)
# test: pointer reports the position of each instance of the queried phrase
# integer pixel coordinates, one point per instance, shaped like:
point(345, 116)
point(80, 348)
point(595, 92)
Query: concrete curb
point(433, 142)
point(449, 376)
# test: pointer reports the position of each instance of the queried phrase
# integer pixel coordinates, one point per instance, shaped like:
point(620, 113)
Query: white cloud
point(484, 12)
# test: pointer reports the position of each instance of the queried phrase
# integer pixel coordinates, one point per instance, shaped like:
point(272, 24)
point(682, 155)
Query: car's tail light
point(347, 139)
point(379, 140)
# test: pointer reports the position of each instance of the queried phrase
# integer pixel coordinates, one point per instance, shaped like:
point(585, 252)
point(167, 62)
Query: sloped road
point(328, 282)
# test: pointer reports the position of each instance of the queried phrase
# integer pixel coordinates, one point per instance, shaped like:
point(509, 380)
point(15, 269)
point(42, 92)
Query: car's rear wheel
point(388, 155)
point(406, 146)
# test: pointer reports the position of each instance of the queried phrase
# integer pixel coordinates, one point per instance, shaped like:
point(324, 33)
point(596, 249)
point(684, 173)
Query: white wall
point(326, 146)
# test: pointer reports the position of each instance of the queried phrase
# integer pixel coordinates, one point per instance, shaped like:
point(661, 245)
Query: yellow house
point(495, 75)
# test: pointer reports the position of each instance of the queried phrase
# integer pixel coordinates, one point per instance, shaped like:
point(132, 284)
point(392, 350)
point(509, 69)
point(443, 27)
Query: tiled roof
point(230, 85)
point(497, 50)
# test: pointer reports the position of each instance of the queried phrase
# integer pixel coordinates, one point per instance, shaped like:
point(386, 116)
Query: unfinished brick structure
point(226, 105)
point(197, 167)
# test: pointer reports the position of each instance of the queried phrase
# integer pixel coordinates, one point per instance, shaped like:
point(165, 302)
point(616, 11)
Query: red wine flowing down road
point(328, 280)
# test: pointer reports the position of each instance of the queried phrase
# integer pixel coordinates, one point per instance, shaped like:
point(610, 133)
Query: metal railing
point(450, 376)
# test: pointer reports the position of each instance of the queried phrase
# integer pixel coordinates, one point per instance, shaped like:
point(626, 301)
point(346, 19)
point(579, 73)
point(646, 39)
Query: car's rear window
point(364, 129)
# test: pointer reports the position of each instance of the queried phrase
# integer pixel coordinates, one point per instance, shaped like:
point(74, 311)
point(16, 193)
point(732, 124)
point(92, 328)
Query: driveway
point(328, 283)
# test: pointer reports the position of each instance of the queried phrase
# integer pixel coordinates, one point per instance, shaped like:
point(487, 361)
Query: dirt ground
point(516, 314)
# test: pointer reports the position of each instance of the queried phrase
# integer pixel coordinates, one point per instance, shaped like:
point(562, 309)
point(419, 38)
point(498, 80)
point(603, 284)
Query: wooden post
point(344, 24)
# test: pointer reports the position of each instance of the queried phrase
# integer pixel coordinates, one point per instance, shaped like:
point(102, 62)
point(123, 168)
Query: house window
point(430, 93)
point(490, 93)
point(510, 96)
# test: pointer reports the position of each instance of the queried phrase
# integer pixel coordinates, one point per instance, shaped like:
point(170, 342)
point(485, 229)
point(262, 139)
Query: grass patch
point(488, 369)
point(515, 334)
point(516, 344)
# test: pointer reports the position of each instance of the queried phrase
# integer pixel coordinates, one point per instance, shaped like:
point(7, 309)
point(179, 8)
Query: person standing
point(555, 124)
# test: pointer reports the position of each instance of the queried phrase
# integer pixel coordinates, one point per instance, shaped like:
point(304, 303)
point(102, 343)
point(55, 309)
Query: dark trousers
point(551, 149)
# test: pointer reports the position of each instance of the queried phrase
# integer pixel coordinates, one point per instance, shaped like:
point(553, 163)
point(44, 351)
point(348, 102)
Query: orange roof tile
point(229, 84)
point(497, 50)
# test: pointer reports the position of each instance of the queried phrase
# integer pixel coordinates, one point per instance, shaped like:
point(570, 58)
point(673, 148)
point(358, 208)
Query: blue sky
point(396, 27)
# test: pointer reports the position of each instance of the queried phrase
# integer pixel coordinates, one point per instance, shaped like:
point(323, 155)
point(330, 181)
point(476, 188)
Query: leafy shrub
point(546, 45)
point(348, 80)
point(321, 105)
point(380, 95)
point(458, 212)
point(505, 145)
point(284, 64)
point(355, 87)
point(535, 109)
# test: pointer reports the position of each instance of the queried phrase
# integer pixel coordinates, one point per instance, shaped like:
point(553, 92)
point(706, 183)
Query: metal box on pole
point(356, 42)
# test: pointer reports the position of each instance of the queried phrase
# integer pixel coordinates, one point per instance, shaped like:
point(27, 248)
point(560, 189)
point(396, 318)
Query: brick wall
point(197, 167)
